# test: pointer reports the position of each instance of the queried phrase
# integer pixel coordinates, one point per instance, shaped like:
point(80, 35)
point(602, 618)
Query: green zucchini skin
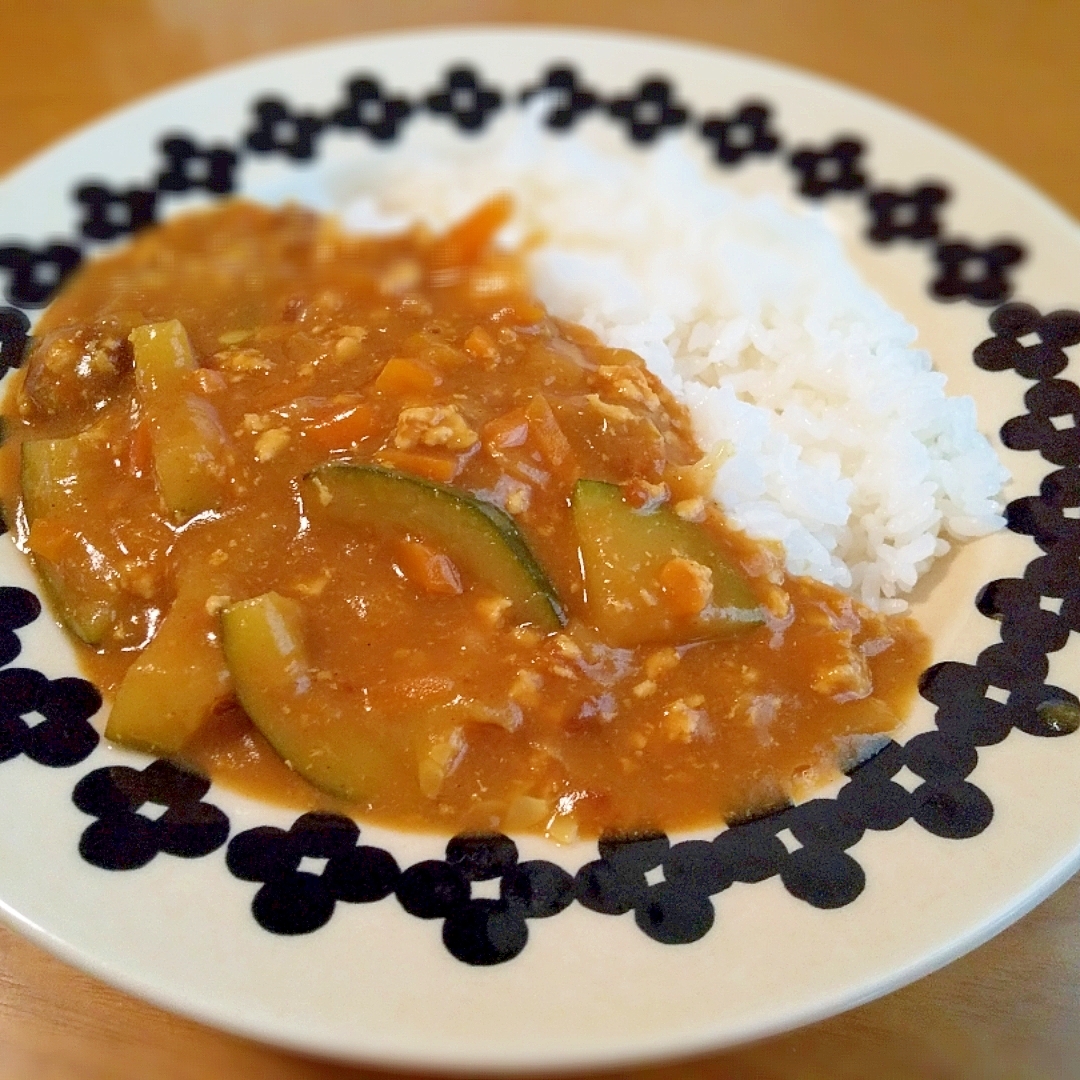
point(481, 539)
point(49, 479)
point(622, 552)
point(49, 475)
point(319, 732)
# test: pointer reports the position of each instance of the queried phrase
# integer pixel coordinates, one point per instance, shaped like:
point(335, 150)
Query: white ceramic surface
point(377, 984)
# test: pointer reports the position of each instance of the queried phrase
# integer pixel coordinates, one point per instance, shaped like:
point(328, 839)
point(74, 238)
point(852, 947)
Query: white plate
point(959, 849)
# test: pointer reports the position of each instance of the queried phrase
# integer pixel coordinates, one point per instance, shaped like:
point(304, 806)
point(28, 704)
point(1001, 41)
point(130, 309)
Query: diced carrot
point(510, 429)
point(461, 245)
point(51, 539)
point(429, 569)
point(545, 431)
point(343, 428)
point(687, 586)
point(140, 451)
point(403, 376)
point(442, 469)
point(480, 344)
point(520, 310)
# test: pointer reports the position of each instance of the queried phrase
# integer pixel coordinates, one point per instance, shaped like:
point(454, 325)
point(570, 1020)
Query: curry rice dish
point(354, 523)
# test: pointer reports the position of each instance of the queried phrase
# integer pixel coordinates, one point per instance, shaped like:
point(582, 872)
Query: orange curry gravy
point(426, 355)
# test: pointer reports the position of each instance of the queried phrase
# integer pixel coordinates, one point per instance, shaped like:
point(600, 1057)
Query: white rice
point(838, 438)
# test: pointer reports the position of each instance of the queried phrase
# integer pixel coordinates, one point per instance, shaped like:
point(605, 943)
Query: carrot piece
point(429, 569)
point(510, 429)
point(140, 450)
point(545, 431)
point(687, 586)
point(464, 242)
point(480, 344)
point(519, 310)
point(400, 375)
point(442, 469)
point(343, 428)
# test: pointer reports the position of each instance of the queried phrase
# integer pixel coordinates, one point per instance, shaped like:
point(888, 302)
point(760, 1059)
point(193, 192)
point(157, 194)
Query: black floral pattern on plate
point(483, 894)
point(122, 838)
point(307, 869)
point(569, 98)
point(18, 608)
point(190, 167)
point(1050, 425)
point(35, 274)
point(465, 99)
point(280, 130)
point(975, 273)
point(14, 329)
point(48, 720)
point(484, 930)
point(1033, 345)
point(743, 133)
point(834, 169)
point(911, 215)
point(1050, 518)
point(666, 887)
point(651, 110)
point(109, 214)
point(370, 110)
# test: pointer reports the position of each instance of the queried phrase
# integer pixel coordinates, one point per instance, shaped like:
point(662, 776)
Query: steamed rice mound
point(834, 433)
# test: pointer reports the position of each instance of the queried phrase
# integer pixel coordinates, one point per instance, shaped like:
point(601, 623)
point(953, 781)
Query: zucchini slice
point(624, 553)
point(323, 733)
point(483, 541)
point(49, 475)
point(81, 586)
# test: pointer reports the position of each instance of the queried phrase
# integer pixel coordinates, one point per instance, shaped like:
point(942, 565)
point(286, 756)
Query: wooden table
point(1002, 73)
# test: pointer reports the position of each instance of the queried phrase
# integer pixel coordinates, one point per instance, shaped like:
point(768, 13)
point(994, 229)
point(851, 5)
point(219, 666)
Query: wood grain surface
point(1001, 73)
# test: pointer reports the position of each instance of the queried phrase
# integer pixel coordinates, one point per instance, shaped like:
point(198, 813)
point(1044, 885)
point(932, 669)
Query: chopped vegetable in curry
point(352, 520)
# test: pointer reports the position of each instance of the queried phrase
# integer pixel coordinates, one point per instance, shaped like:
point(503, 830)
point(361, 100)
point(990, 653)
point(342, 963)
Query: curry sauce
point(354, 522)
